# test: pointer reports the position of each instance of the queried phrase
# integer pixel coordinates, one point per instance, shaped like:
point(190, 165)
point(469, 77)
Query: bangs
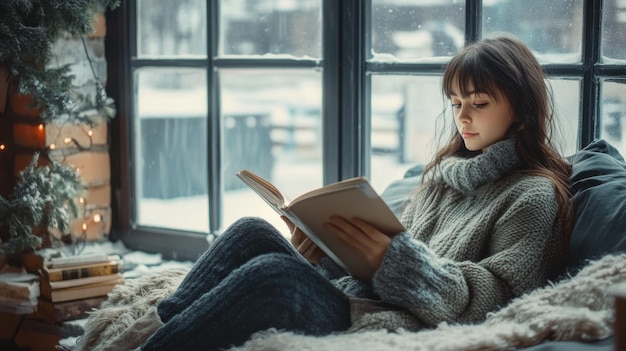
point(472, 76)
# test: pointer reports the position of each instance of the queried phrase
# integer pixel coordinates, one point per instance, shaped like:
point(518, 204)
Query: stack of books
point(61, 292)
point(72, 286)
point(80, 277)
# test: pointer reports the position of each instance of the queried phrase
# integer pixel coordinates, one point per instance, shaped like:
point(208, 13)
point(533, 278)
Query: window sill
point(172, 245)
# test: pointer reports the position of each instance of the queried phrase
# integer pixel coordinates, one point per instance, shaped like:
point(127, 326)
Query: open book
point(349, 198)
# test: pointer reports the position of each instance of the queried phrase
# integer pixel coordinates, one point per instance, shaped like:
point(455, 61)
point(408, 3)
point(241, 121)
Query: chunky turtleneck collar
point(467, 174)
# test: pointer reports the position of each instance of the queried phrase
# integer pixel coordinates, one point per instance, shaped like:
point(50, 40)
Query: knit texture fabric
point(250, 279)
point(477, 236)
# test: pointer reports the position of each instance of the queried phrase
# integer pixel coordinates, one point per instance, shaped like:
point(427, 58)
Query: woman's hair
point(504, 67)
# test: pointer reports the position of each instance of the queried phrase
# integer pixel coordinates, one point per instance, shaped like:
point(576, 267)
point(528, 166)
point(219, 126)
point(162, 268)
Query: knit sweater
point(478, 235)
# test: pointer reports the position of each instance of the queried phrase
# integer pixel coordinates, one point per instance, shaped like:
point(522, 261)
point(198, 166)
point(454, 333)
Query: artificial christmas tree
point(50, 117)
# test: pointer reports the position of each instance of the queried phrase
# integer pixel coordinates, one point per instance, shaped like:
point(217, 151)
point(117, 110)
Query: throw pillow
point(599, 198)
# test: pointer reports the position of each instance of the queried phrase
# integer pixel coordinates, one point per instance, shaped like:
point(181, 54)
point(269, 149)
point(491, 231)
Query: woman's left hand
point(367, 241)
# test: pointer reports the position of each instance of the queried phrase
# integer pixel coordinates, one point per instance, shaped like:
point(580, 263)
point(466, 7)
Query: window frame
point(346, 137)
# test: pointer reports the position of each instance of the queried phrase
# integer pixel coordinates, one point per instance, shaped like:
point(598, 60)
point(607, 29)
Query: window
point(309, 92)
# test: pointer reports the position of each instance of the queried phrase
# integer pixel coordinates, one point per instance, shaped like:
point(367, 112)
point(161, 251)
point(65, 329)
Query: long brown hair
point(504, 67)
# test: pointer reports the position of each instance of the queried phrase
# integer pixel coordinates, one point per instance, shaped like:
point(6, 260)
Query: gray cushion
point(599, 198)
point(396, 193)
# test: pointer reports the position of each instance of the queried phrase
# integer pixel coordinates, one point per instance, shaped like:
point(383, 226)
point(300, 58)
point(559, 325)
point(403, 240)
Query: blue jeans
point(250, 279)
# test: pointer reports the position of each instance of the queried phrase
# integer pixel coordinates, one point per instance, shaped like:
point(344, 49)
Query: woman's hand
point(303, 244)
point(367, 241)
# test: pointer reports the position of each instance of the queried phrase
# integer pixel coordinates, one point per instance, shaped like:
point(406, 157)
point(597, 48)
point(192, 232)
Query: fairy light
point(40, 127)
point(97, 218)
point(2, 147)
point(52, 146)
point(81, 147)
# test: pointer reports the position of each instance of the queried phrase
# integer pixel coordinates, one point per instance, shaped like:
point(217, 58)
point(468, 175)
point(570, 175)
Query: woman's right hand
point(305, 246)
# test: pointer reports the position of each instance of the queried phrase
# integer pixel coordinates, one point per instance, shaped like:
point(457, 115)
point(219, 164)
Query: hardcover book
point(99, 288)
point(349, 198)
point(113, 265)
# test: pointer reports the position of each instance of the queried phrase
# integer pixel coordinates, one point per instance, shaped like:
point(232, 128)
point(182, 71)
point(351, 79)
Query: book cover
point(350, 198)
point(70, 283)
point(112, 266)
point(79, 292)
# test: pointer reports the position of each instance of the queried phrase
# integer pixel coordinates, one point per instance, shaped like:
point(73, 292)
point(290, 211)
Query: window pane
point(291, 27)
point(414, 29)
point(272, 125)
point(552, 28)
point(613, 112)
point(170, 146)
point(171, 28)
point(567, 112)
point(613, 30)
point(404, 112)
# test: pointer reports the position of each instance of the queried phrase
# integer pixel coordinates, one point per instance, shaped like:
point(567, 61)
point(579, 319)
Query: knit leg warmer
point(274, 290)
point(244, 240)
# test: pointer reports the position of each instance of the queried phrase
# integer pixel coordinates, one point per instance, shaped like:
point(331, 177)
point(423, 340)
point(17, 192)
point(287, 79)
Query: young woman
point(489, 222)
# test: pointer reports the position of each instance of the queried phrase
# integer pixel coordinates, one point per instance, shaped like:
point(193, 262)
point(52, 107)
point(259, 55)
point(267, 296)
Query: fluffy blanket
point(577, 308)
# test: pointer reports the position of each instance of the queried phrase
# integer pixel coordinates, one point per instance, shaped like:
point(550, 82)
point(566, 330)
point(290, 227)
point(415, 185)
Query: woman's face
point(480, 119)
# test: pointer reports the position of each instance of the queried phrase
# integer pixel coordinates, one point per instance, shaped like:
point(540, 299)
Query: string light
point(62, 148)
point(2, 147)
point(80, 147)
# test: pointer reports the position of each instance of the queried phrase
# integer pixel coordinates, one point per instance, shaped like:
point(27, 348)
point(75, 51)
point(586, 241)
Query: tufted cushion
point(599, 198)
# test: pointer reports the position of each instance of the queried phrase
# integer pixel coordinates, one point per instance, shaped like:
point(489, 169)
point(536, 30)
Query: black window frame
point(346, 94)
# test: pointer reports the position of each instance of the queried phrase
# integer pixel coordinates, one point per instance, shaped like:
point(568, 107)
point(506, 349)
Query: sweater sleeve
point(436, 289)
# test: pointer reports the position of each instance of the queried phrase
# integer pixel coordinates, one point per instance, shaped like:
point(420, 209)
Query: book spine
point(83, 272)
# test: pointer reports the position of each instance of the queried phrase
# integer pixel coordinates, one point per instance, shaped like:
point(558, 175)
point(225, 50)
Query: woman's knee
point(280, 274)
point(249, 228)
point(247, 238)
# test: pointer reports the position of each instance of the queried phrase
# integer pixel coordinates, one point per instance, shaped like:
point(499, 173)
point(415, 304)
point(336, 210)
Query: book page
point(348, 183)
point(354, 201)
point(263, 188)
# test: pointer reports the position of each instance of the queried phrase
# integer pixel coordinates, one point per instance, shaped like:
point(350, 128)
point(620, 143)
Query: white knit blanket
point(579, 308)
